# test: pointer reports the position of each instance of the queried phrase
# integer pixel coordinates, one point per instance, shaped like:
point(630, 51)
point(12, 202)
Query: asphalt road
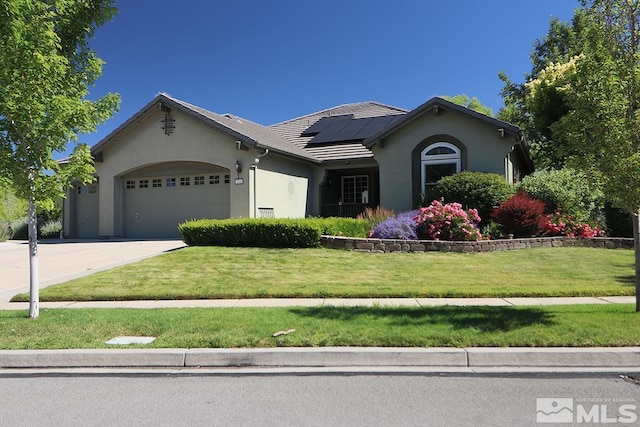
point(311, 399)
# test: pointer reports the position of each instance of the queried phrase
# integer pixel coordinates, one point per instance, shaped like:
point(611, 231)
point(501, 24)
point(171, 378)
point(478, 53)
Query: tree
point(470, 103)
point(601, 87)
point(46, 68)
point(563, 41)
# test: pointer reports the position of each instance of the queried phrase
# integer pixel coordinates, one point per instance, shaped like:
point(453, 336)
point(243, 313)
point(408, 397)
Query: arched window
point(438, 160)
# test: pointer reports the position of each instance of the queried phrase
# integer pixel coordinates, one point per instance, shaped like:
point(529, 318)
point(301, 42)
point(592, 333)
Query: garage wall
point(146, 152)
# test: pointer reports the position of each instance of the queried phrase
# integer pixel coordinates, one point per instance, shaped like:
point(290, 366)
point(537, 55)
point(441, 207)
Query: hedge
point(268, 233)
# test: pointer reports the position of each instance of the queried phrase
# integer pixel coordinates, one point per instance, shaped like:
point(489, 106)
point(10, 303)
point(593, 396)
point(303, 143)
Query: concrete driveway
point(62, 260)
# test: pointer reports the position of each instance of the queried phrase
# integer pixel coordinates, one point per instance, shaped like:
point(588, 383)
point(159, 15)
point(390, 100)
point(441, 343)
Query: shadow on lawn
point(627, 280)
point(484, 318)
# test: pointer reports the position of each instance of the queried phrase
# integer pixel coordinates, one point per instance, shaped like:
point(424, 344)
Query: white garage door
point(154, 206)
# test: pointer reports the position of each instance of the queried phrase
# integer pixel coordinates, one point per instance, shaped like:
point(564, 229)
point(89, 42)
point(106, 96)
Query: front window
point(355, 189)
point(437, 161)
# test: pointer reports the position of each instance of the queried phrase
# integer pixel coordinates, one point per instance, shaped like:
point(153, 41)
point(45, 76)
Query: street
point(149, 398)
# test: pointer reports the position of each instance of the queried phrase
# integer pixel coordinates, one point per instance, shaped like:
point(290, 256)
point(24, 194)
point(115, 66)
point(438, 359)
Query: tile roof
point(286, 137)
point(292, 130)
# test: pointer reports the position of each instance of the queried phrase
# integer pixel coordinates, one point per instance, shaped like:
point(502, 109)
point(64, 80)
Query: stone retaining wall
point(391, 245)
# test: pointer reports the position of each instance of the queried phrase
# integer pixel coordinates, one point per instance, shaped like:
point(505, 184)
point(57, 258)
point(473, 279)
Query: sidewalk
point(316, 302)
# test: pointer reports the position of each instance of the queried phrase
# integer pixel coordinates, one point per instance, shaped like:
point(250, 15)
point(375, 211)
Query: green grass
point(448, 326)
point(218, 272)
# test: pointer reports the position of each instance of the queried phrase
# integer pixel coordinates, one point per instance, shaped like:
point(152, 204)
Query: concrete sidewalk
point(316, 302)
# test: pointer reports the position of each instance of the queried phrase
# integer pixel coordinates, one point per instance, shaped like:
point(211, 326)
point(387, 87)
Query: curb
point(327, 357)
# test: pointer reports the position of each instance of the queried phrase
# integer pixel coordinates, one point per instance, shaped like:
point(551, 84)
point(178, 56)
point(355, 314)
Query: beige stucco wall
point(146, 144)
point(485, 152)
point(144, 150)
point(283, 185)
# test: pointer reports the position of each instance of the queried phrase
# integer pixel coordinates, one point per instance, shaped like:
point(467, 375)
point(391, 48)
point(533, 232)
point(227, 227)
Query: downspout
point(255, 181)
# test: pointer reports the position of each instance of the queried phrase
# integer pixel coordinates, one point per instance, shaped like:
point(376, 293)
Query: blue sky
point(272, 61)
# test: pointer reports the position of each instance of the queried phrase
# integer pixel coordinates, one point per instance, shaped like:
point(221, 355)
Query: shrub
point(19, 229)
point(619, 223)
point(269, 233)
point(51, 229)
point(558, 224)
point(449, 221)
point(478, 190)
point(567, 190)
point(493, 231)
point(402, 226)
point(338, 226)
point(521, 216)
point(5, 233)
point(376, 216)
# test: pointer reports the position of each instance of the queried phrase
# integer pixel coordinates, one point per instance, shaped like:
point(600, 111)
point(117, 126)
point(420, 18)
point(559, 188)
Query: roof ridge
point(328, 110)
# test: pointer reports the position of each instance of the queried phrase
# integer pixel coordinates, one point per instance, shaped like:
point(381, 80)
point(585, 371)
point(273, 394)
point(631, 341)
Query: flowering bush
point(559, 225)
point(521, 216)
point(401, 226)
point(440, 221)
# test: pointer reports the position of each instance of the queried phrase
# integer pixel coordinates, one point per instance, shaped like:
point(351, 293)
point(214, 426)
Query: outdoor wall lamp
point(238, 166)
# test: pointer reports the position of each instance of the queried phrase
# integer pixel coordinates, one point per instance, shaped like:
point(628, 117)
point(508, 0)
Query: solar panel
point(376, 125)
point(349, 132)
point(321, 124)
point(345, 128)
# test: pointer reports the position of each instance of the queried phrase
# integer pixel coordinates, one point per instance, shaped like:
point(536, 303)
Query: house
point(173, 161)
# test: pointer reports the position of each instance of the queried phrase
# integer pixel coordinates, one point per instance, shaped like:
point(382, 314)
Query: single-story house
point(173, 161)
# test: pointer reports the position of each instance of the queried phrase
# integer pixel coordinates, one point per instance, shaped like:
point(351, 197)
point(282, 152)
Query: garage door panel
point(156, 212)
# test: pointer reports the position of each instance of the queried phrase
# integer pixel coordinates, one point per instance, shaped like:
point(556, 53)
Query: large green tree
point(46, 68)
point(601, 89)
point(563, 41)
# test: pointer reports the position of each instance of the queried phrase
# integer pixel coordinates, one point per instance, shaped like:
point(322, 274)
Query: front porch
point(348, 192)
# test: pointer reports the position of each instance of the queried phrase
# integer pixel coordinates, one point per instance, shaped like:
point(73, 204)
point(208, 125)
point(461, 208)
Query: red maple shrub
point(521, 216)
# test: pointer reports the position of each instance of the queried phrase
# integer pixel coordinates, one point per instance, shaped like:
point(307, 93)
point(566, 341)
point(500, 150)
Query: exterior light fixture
point(238, 166)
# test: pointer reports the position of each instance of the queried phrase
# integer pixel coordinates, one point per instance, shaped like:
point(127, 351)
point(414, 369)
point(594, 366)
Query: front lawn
point(448, 326)
point(220, 272)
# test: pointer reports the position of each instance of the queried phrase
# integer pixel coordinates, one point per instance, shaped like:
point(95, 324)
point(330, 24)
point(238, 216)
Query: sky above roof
point(273, 61)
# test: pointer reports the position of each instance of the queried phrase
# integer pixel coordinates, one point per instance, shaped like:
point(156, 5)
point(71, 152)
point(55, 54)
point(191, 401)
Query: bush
point(19, 229)
point(558, 224)
point(449, 221)
point(5, 233)
point(376, 216)
point(521, 216)
point(268, 233)
point(338, 226)
point(568, 191)
point(619, 223)
point(478, 190)
point(51, 229)
point(402, 226)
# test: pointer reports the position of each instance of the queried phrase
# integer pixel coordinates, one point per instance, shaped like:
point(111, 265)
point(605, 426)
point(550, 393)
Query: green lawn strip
point(219, 272)
point(448, 326)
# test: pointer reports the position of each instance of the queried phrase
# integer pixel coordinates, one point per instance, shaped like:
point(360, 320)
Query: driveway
point(62, 260)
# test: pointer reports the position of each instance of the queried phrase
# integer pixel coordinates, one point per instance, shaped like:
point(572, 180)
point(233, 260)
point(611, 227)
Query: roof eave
point(162, 102)
point(436, 104)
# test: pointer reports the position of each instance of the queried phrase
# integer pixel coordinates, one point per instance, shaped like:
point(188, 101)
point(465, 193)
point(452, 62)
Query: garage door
point(155, 205)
